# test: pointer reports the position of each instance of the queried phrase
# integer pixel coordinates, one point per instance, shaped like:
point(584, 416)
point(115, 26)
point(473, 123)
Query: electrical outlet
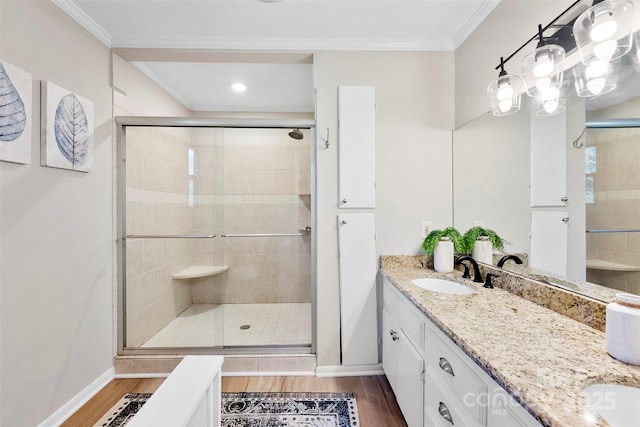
point(479, 224)
point(426, 228)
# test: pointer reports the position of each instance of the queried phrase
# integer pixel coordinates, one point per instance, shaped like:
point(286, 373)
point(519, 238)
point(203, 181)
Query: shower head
point(296, 134)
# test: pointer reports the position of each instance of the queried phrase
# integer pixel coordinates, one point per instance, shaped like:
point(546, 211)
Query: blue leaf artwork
point(12, 112)
point(71, 129)
point(67, 129)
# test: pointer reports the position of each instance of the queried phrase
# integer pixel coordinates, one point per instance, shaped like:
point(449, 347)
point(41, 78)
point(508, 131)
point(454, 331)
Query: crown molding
point(480, 14)
point(78, 15)
point(308, 45)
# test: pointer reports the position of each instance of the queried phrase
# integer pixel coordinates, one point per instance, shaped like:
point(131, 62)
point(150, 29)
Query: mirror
point(493, 160)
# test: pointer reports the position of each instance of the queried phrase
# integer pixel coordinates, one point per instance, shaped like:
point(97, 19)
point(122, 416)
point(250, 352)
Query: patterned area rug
point(260, 410)
point(123, 411)
point(289, 410)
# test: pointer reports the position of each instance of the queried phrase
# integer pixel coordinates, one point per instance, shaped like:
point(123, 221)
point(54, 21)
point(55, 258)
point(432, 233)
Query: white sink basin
point(443, 286)
point(617, 404)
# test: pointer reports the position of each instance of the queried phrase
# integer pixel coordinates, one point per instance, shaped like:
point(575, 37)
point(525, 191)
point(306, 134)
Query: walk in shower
point(216, 235)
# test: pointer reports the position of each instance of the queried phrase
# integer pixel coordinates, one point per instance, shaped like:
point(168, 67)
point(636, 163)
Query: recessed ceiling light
point(239, 87)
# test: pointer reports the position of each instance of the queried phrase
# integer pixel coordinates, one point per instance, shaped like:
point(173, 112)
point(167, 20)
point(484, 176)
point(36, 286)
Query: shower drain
point(243, 327)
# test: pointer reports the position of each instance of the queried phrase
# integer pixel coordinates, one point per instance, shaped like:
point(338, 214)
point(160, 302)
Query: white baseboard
point(349, 371)
point(143, 375)
point(76, 402)
point(270, 374)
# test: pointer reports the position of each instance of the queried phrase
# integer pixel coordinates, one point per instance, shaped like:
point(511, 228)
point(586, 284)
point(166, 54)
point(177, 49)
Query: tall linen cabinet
point(356, 225)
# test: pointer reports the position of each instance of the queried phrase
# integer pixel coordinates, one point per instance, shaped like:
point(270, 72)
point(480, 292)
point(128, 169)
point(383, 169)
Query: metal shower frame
point(122, 123)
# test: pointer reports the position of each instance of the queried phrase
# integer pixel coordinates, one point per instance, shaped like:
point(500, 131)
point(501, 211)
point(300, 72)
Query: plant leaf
point(12, 113)
point(472, 234)
point(71, 129)
point(431, 241)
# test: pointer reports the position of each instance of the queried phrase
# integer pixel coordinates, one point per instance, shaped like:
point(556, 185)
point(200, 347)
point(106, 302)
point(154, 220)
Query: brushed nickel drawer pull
point(446, 366)
point(445, 413)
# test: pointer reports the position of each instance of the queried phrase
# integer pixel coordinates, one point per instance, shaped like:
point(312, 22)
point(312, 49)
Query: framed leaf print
point(67, 129)
point(15, 114)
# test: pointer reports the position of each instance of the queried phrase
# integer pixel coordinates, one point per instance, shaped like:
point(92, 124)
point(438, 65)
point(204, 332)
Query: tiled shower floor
point(270, 324)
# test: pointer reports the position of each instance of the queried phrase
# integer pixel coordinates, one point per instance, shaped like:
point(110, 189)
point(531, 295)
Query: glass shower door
point(217, 238)
point(172, 244)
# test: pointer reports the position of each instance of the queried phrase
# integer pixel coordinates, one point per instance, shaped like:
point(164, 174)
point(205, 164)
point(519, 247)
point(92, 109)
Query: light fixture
point(541, 68)
point(238, 87)
point(604, 30)
point(602, 33)
point(504, 93)
point(596, 77)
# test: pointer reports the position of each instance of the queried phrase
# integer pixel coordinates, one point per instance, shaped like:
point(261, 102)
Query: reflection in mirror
point(613, 206)
point(492, 170)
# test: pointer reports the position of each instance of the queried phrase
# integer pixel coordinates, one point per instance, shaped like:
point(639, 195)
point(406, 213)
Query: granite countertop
point(542, 358)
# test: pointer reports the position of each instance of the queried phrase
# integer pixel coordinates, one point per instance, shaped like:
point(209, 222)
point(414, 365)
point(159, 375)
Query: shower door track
point(170, 236)
point(122, 122)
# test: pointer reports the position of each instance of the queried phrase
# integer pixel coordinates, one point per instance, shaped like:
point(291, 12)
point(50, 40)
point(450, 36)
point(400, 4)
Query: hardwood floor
point(377, 405)
point(99, 404)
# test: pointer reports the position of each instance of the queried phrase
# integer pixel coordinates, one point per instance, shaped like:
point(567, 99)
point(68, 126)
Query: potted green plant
point(442, 244)
point(431, 241)
point(480, 243)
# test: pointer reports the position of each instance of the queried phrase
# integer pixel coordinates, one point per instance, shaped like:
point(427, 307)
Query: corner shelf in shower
point(200, 271)
point(598, 264)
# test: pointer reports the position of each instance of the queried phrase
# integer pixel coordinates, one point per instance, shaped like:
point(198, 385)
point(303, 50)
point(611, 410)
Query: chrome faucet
point(477, 276)
point(506, 258)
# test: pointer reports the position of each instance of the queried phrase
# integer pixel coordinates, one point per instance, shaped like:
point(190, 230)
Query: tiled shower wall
point(156, 203)
point(262, 188)
point(616, 205)
point(238, 181)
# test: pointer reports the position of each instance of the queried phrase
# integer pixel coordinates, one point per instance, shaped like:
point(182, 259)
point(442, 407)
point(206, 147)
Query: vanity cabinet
point(404, 368)
point(435, 382)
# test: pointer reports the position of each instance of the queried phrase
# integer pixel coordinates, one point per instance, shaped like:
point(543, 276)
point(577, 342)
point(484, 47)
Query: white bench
point(190, 396)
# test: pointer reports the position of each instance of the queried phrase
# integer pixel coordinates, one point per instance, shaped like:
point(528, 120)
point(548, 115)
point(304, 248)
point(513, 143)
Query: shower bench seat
point(200, 271)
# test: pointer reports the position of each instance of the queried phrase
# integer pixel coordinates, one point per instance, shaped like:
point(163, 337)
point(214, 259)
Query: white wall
point(56, 247)
point(414, 119)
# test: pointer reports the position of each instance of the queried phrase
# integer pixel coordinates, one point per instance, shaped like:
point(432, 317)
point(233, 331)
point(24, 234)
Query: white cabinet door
point(358, 300)
point(549, 238)
point(548, 160)
point(390, 350)
point(356, 147)
point(404, 368)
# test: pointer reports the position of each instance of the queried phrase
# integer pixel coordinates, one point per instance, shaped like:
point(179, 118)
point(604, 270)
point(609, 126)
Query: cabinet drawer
point(452, 373)
point(440, 404)
point(409, 318)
